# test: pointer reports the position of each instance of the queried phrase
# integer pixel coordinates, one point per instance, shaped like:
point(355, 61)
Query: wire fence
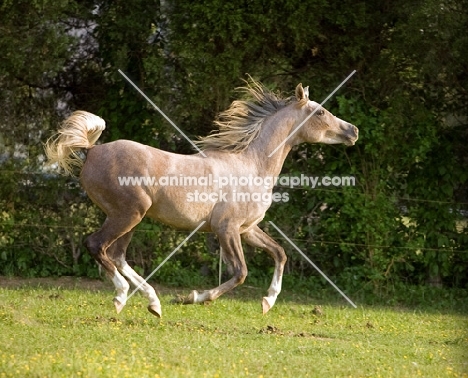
point(297, 240)
point(26, 181)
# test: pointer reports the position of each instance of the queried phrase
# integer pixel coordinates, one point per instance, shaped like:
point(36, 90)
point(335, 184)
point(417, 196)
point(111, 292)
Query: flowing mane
point(240, 124)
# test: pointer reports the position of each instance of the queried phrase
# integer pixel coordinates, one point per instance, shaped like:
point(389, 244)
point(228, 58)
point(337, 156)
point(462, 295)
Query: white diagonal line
point(220, 273)
point(167, 258)
point(310, 115)
point(162, 113)
point(311, 263)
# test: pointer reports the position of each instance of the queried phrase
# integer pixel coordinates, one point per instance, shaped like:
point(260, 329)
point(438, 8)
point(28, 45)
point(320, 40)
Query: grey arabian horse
point(248, 132)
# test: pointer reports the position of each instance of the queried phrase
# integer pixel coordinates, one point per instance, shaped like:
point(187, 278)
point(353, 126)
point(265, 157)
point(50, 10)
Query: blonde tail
point(79, 131)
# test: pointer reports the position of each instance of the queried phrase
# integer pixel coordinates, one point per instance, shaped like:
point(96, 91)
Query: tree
point(403, 221)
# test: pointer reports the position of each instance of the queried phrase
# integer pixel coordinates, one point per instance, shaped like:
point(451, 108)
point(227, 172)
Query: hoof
point(155, 310)
point(192, 298)
point(266, 306)
point(118, 305)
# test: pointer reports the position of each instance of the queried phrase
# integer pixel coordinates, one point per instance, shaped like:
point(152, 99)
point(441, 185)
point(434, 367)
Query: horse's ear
point(300, 95)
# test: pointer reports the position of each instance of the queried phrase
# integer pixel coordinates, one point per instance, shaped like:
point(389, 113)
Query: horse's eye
point(320, 112)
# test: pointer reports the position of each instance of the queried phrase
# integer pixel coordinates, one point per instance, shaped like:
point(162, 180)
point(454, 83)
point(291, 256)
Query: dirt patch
point(272, 330)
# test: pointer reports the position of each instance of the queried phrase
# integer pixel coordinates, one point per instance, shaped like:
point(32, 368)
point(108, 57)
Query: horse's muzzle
point(352, 134)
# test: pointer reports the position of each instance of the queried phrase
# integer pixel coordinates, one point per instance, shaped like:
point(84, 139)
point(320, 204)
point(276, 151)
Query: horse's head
point(322, 127)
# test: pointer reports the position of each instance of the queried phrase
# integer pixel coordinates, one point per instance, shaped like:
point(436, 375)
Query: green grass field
point(51, 330)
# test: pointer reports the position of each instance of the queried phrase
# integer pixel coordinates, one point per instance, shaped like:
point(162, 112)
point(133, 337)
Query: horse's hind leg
point(257, 238)
point(98, 244)
point(117, 253)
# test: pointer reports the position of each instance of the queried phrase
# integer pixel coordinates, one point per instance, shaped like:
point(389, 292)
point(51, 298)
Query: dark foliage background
point(405, 222)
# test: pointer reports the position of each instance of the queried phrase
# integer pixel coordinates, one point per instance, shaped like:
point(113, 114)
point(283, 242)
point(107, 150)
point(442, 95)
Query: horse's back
point(118, 175)
point(125, 158)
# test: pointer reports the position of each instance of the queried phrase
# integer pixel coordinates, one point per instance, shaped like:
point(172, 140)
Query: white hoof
point(118, 305)
point(267, 304)
point(192, 298)
point(155, 310)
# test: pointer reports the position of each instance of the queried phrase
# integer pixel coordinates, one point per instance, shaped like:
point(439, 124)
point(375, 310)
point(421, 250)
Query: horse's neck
point(274, 132)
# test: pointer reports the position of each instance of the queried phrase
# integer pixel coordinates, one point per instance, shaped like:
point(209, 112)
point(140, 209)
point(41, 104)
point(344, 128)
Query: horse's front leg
point(257, 238)
point(230, 242)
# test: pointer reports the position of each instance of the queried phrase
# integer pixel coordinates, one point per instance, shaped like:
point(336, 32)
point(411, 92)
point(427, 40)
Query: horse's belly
point(178, 212)
point(187, 209)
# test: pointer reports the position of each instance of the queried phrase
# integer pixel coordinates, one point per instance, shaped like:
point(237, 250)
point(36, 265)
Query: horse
point(240, 150)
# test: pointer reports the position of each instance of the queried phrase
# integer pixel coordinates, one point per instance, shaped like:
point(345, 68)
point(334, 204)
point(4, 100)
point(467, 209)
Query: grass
point(52, 331)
